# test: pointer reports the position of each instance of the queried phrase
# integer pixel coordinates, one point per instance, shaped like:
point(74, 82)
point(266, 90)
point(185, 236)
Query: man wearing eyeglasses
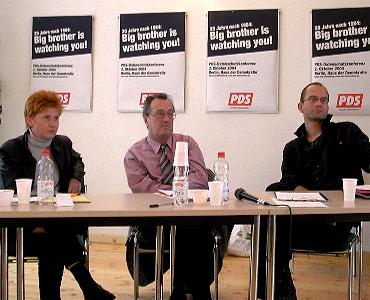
point(143, 161)
point(323, 153)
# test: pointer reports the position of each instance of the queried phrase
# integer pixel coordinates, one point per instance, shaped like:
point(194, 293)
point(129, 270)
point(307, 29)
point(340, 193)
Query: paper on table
point(32, 200)
point(303, 196)
point(80, 199)
point(164, 193)
point(75, 198)
point(64, 200)
point(292, 203)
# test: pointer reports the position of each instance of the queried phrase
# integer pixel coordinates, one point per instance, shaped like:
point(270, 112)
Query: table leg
point(20, 265)
point(360, 264)
point(158, 264)
point(4, 263)
point(271, 237)
point(172, 254)
point(254, 259)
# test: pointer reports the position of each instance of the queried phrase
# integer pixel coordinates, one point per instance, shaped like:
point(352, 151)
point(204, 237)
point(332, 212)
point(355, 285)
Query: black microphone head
point(238, 193)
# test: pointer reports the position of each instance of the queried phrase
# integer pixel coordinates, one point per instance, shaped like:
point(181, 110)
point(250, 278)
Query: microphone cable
point(241, 194)
point(290, 225)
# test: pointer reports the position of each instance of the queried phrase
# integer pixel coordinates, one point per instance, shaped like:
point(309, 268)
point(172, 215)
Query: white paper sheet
point(64, 200)
point(304, 196)
point(291, 203)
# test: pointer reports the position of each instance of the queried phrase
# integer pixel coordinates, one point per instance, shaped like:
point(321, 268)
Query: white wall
point(253, 142)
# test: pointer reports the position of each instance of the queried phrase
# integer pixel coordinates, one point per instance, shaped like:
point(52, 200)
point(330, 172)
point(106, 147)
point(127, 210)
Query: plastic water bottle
point(221, 169)
point(45, 178)
point(180, 182)
point(180, 185)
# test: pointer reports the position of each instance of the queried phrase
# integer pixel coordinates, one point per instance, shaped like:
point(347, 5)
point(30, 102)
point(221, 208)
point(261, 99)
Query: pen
point(322, 195)
point(301, 200)
point(158, 205)
point(163, 194)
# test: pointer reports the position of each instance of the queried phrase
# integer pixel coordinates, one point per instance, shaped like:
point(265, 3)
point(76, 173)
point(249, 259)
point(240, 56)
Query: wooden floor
point(315, 277)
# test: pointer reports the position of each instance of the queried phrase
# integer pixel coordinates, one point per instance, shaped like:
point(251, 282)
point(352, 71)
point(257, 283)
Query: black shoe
point(202, 294)
point(98, 293)
point(178, 293)
point(90, 289)
point(284, 286)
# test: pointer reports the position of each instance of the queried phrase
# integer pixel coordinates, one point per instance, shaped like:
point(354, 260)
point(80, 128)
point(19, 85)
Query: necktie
point(166, 166)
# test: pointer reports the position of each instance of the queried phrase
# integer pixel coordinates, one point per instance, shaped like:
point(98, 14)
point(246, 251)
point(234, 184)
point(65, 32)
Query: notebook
point(363, 191)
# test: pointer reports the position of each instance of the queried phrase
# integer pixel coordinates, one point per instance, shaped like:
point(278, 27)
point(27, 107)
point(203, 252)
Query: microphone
point(241, 194)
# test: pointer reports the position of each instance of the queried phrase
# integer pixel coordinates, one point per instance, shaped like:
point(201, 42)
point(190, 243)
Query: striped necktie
point(166, 166)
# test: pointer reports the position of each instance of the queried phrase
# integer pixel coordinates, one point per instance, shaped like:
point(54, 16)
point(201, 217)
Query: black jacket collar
point(301, 131)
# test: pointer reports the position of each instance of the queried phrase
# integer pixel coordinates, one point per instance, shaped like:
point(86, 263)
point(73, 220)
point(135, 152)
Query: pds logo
point(349, 100)
point(143, 97)
point(64, 97)
point(240, 99)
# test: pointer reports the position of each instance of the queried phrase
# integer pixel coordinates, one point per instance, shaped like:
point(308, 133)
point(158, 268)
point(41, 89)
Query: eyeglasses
point(314, 99)
point(160, 114)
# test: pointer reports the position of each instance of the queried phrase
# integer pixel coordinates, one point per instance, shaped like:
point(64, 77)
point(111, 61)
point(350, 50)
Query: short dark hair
point(303, 93)
point(148, 101)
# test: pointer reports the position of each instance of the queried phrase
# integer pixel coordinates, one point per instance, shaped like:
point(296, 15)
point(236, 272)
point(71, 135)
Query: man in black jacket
point(55, 247)
point(323, 153)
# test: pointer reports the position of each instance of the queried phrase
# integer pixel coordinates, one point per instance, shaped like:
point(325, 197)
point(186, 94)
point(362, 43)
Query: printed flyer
point(341, 58)
point(242, 64)
point(61, 59)
point(151, 59)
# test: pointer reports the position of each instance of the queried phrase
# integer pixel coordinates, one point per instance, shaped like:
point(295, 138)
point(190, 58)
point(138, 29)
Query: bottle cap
point(221, 154)
point(181, 154)
point(45, 152)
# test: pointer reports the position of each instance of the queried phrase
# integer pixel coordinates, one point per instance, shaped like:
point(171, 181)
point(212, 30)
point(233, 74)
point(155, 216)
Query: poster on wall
point(341, 58)
point(1, 104)
point(242, 63)
point(151, 59)
point(61, 59)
